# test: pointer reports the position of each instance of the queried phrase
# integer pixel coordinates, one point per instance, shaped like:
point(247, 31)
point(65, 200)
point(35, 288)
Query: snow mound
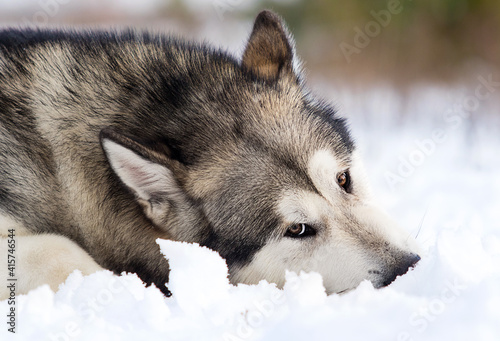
point(452, 295)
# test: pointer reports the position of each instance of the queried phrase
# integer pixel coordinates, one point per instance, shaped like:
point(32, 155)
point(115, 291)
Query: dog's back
point(58, 90)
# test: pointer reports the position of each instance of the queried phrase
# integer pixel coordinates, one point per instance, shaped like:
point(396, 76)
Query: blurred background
point(401, 41)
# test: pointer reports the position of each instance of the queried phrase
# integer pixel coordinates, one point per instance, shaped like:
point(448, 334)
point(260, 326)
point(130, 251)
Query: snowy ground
point(435, 167)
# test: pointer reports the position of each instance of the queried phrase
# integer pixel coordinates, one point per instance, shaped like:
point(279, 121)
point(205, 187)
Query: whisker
point(421, 223)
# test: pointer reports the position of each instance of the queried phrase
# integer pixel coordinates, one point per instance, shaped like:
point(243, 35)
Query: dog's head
point(276, 184)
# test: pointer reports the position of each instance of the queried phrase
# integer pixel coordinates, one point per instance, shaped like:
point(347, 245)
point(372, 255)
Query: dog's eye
point(300, 230)
point(344, 181)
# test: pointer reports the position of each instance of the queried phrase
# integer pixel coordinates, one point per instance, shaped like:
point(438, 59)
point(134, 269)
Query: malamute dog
point(110, 140)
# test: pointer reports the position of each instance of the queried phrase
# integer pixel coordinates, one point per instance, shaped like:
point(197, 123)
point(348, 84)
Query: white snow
point(449, 192)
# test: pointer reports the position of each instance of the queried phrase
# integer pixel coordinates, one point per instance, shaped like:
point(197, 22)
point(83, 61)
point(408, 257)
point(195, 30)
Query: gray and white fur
point(110, 140)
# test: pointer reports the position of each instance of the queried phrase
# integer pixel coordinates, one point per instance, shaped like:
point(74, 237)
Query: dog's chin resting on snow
point(110, 140)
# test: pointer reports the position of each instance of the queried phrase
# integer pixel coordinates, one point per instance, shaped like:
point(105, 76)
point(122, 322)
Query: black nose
point(405, 263)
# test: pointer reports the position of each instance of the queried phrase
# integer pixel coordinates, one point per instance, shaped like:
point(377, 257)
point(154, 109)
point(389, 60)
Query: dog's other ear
point(270, 50)
point(147, 173)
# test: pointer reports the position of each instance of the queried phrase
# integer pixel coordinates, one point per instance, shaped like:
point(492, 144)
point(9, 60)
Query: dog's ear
point(152, 176)
point(270, 49)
